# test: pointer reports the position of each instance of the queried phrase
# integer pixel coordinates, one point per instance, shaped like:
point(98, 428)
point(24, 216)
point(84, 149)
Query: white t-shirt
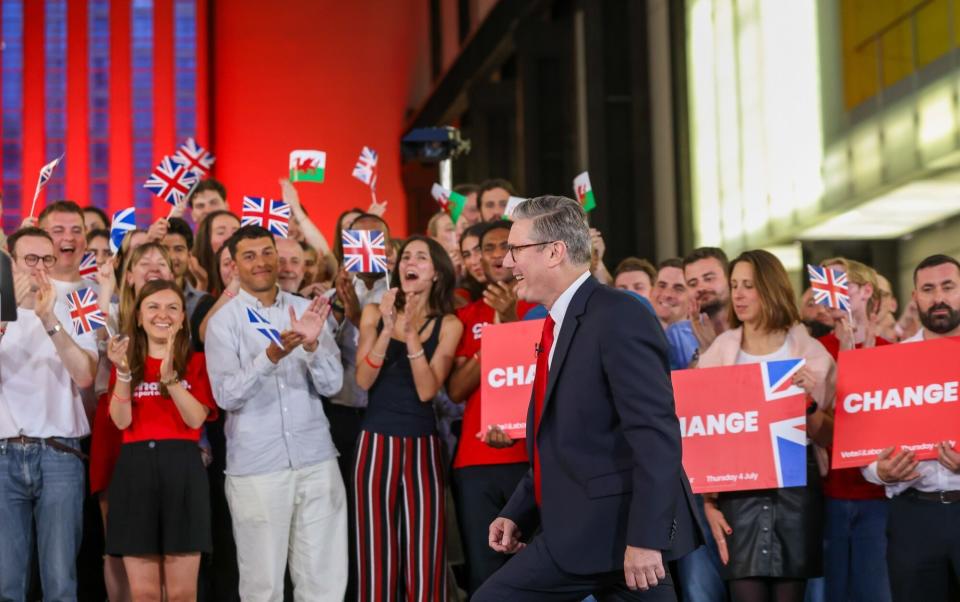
point(37, 396)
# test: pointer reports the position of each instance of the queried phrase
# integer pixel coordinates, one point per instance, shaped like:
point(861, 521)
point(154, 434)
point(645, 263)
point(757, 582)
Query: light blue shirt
point(274, 415)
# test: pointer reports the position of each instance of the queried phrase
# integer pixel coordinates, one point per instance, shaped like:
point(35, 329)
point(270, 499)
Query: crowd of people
point(255, 422)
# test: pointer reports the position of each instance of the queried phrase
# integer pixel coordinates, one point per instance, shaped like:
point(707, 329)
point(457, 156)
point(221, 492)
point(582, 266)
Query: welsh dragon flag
point(584, 192)
point(307, 165)
point(450, 201)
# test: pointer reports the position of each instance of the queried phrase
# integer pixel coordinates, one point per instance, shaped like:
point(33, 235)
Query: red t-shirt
point(156, 417)
point(471, 451)
point(848, 483)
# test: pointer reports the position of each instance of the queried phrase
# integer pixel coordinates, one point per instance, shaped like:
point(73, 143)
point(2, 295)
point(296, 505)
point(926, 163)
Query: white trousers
point(297, 513)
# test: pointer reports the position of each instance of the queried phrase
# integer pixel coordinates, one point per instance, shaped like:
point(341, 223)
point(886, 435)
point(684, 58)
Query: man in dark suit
point(605, 485)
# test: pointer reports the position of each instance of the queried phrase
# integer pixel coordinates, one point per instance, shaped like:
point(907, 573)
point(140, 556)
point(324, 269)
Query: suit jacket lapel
point(571, 320)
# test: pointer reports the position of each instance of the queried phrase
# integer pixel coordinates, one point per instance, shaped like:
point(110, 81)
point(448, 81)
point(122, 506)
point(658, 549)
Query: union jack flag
point(88, 266)
point(788, 436)
point(197, 159)
point(172, 180)
point(84, 311)
point(829, 287)
point(364, 251)
point(263, 326)
point(272, 215)
point(366, 168)
point(123, 222)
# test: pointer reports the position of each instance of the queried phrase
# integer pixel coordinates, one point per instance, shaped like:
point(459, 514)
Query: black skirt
point(776, 532)
point(159, 500)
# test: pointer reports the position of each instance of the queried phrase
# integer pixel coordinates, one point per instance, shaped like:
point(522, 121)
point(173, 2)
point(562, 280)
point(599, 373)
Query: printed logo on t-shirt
point(153, 389)
point(478, 330)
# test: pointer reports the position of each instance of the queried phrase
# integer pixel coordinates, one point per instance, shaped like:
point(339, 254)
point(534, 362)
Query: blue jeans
point(699, 573)
point(855, 548)
point(40, 483)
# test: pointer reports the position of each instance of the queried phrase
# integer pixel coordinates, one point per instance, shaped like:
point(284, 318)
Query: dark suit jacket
point(609, 441)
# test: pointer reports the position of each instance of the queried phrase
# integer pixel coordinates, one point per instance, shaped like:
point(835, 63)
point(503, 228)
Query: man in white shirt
point(283, 486)
point(923, 528)
point(43, 365)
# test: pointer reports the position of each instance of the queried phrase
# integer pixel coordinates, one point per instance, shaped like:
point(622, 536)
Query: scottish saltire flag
point(84, 311)
point(263, 326)
point(584, 191)
point(829, 287)
point(45, 174)
point(743, 427)
point(272, 215)
point(449, 201)
point(123, 221)
point(88, 266)
point(364, 251)
point(307, 165)
point(197, 159)
point(366, 167)
point(172, 180)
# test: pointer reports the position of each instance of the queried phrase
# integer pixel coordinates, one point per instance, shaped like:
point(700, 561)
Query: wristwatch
point(55, 329)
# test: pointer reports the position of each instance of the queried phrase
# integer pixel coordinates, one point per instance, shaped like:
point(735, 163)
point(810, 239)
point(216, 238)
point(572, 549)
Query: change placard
point(508, 363)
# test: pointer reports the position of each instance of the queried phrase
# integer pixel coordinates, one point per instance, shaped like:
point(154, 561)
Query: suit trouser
point(923, 549)
point(302, 511)
point(480, 493)
point(532, 575)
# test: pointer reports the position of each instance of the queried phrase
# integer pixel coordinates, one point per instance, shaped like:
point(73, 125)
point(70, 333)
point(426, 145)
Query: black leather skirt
point(776, 532)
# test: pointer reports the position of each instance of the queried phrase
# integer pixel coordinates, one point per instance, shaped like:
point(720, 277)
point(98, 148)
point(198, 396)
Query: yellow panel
point(933, 32)
point(897, 53)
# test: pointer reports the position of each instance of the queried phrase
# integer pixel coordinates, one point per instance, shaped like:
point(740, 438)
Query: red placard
point(896, 396)
point(508, 361)
point(743, 427)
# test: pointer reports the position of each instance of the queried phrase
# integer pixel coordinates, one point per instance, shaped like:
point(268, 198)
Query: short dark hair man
point(208, 195)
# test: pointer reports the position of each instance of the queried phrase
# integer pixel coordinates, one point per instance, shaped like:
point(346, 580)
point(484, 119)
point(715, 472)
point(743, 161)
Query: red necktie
point(539, 392)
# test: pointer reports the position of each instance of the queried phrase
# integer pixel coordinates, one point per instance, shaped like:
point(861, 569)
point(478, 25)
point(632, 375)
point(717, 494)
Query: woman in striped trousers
point(406, 351)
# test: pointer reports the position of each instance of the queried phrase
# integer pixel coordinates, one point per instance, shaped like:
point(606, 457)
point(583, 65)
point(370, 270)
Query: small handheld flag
point(123, 222)
point(512, 203)
point(829, 287)
point(366, 167)
point(197, 159)
point(307, 165)
point(364, 251)
point(272, 215)
point(584, 191)
point(264, 327)
point(88, 266)
point(451, 202)
point(84, 311)
point(45, 173)
point(172, 181)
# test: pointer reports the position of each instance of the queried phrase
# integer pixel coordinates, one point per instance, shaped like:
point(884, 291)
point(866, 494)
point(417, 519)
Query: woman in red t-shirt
point(159, 497)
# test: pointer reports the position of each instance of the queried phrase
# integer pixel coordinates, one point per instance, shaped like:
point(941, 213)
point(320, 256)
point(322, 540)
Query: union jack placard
point(197, 159)
point(172, 180)
point(272, 215)
point(829, 287)
point(84, 311)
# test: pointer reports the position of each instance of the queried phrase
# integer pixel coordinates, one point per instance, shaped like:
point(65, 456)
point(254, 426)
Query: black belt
point(941, 497)
point(49, 442)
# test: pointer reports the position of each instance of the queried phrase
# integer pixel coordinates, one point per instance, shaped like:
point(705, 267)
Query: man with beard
point(488, 465)
point(705, 271)
point(923, 530)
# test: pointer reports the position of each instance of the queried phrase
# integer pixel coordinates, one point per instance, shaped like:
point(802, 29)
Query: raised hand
point(22, 286)
point(288, 342)
point(107, 279)
point(158, 230)
point(45, 299)
point(805, 379)
point(177, 210)
point(376, 208)
point(348, 297)
point(166, 364)
point(388, 310)
point(289, 193)
point(597, 244)
point(316, 289)
point(503, 299)
point(311, 323)
point(117, 351)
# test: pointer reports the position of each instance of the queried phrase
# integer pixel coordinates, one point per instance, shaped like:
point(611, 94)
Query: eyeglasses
point(32, 260)
point(513, 248)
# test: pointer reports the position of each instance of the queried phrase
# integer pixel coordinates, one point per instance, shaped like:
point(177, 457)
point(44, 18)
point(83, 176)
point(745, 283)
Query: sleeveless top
point(393, 406)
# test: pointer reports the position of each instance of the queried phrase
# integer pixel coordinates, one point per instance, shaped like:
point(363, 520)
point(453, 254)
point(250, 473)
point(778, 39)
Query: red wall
point(329, 75)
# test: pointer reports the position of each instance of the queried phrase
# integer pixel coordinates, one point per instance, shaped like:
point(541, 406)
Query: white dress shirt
point(934, 476)
point(37, 396)
point(559, 310)
point(275, 418)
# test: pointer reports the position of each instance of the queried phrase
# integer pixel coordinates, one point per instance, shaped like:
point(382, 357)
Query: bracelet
point(366, 358)
point(170, 381)
point(229, 293)
point(124, 377)
point(414, 356)
point(121, 399)
point(377, 355)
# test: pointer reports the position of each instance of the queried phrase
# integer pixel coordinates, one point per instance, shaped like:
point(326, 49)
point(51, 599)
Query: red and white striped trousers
point(399, 506)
